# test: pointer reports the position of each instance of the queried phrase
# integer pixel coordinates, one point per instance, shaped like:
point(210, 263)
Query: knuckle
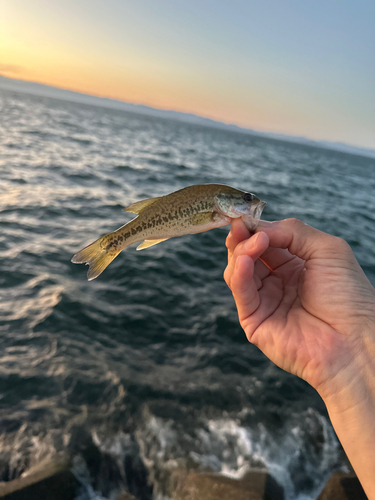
point(227, 277)
point(249, 334)
point(339, 249)
point(341, 245)
point(228, 240)
point(295, 223)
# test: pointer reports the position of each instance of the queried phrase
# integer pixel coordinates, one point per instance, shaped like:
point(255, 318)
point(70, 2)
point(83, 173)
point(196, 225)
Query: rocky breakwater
point(55, 481)
point(90, 470)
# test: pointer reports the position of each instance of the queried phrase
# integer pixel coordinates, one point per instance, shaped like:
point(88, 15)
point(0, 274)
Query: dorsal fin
point(139, 206)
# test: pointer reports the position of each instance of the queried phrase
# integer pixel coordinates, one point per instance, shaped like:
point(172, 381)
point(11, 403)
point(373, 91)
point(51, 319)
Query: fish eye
point(248, 197)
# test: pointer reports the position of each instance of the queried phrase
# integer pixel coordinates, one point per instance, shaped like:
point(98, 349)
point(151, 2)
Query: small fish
point(191, 210)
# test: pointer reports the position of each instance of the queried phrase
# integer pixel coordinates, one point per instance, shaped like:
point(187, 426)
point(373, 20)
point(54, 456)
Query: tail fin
point(96, 257)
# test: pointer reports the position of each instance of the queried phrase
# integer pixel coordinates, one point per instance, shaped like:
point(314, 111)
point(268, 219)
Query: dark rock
point(126, 496)
point(191, 485)
point(54, 482)
point(109, 477)
point(4, 469)
point(81, 443)
point(343, 486)
point(108, 473)
point(137, 477)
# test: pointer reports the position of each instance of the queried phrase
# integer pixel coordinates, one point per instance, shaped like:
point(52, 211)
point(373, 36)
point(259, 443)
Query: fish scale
point(190, 210)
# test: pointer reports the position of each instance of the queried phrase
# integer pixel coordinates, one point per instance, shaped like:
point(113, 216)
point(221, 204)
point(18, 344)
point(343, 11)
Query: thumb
point(299, 238)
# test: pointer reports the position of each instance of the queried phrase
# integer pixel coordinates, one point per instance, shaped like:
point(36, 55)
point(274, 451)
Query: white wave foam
point(300, 456)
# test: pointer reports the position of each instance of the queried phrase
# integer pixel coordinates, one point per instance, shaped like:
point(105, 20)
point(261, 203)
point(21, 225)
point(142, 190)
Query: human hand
point(303, 299)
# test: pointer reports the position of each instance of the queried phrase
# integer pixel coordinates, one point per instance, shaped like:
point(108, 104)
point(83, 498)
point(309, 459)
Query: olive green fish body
point(191, 210)
point(183, 212)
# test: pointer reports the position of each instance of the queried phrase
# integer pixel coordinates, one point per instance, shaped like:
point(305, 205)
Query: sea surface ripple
point(149, 360)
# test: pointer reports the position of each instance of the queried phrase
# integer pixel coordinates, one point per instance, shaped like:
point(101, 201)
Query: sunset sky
point(290, 66)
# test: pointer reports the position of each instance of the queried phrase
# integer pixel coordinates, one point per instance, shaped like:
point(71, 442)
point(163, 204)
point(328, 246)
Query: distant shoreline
point(39, 89)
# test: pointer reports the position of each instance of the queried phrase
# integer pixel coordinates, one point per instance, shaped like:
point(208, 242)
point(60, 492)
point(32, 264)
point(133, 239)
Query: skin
point(303, 299)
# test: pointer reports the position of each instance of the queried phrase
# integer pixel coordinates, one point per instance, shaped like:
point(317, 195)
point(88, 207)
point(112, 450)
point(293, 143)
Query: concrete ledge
point(343, 486)
point(191, 485)
point(55, 482)
point(126, 496)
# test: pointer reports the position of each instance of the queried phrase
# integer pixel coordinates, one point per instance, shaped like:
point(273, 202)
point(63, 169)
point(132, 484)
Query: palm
point(294, 327)
point(298, 313)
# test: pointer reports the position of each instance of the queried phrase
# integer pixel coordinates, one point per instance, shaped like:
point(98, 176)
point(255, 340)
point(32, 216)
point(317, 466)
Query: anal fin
point(150, 243)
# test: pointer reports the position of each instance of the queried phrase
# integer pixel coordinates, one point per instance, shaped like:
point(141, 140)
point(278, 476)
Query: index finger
point(296, 236)
point(274, 258)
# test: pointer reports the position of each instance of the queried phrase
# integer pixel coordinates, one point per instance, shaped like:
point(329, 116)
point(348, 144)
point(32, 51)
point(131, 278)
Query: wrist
point(350, 401)
point(353, 384)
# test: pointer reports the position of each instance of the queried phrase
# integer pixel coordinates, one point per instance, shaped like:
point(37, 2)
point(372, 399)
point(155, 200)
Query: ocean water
point(147, 367)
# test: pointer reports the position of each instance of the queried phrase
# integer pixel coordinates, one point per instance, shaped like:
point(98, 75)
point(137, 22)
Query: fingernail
point(238, 262)
point(252, 241)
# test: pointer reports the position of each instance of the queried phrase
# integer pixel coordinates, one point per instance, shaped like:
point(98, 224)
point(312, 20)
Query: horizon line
point(320, 143)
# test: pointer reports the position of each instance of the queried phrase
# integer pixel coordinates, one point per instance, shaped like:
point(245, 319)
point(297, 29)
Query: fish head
point(236, 203)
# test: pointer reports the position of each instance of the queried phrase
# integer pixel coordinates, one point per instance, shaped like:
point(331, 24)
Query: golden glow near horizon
point(211, 63)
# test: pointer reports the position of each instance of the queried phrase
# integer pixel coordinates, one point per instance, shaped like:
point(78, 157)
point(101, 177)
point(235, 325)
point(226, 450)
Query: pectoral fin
point(139, 206)
point(150, 243)
point(202, 218)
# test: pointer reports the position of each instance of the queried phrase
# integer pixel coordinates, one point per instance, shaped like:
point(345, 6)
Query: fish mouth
point(251, 220)
point(258, 210)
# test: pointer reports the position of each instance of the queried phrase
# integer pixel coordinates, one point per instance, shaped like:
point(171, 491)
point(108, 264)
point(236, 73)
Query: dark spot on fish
point(134, 231)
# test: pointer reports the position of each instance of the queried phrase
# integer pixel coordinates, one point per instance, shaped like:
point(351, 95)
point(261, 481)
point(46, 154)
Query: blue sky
point(295, 67)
